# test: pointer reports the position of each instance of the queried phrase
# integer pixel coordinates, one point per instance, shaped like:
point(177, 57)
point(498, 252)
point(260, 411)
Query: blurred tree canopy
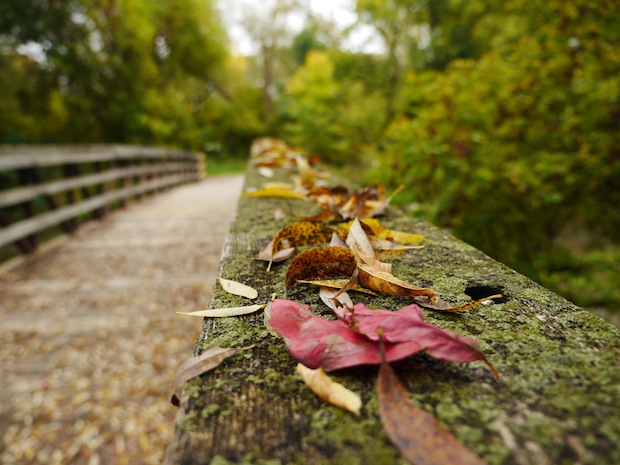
point(121, 71)
point(501, 117)
point(520, 141)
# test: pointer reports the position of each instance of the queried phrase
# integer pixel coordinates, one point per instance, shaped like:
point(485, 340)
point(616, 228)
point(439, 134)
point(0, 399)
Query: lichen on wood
point(555, 401)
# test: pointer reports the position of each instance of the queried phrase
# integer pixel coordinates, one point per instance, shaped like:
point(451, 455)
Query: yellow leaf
point(334, 298)
point(224, 312)
point(329, 390)
point(335, 284)
point(237, 288)
point(280, 192)
point(385, 233)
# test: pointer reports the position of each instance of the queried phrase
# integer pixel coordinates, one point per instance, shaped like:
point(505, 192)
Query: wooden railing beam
point(121, 173)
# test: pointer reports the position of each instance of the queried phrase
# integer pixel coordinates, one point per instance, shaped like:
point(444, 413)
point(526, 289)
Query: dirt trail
point(89, 339)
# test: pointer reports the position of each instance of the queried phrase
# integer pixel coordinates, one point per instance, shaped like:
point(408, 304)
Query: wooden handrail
point(91, 179)
point(30, 156)
point(556, 399)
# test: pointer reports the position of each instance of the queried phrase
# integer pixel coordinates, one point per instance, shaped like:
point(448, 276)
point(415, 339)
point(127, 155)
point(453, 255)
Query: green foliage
point(128, 71)
point(502, 117)
point(590, 278)
point(303, 43)
point(331, 118)
point(509, 149)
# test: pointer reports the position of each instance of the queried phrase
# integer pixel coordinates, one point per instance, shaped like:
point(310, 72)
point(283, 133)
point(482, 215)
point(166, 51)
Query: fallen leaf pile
point(344, 248)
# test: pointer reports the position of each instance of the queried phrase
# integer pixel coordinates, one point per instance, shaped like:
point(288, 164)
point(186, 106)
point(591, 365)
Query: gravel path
point(89, 339)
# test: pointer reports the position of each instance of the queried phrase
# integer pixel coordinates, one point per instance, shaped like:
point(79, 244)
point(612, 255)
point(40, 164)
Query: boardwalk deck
point(89, 339)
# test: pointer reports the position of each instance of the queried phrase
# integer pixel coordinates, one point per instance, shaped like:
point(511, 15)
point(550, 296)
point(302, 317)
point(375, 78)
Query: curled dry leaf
point(329, 390)
point(337, 241)
point(267, 254)
point(266, 172)
point(377, 275)
point(360, 244)
point(225, 312)
point(329, 197)
point(387, 283)
point(268, 151)
point(417, 434)
point(278, 214)
point(237, 288)
point(306, 173)
point(195, 366)
point(334, 298)
point(320, 263)
point(354, 338)
point(364, 203)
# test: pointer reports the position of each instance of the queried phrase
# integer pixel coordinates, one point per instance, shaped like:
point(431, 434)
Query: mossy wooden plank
point(556, 401)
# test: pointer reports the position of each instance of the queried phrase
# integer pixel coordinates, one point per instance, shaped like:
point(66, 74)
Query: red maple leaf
point(354, 339)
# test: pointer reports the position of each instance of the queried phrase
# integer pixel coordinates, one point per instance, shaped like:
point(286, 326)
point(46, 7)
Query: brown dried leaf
point(329, 197)
point(195, 366)
point(377, 207)
point(320, 263)
point(417, 434)
point(387, 283)
point(324, 216)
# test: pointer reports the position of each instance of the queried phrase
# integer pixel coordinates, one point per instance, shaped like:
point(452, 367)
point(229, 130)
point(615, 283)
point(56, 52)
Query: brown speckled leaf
point(321, 263)
point(301, 233)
